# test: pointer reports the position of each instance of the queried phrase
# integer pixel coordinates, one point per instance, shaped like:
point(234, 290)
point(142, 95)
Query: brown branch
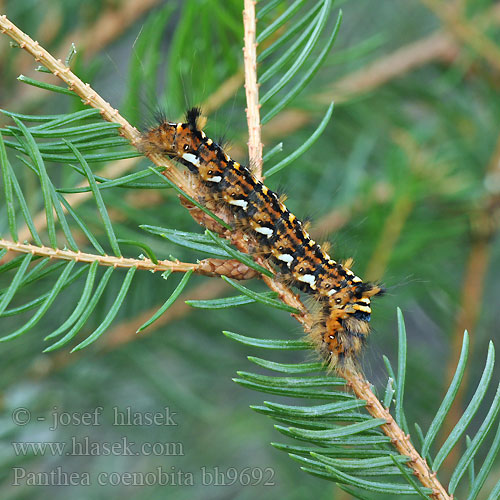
point(104, 260)
point(360, 386)
point(252, 88)
point(399, 439)
point(91, 98)
point(207, 267)
point(113, 21)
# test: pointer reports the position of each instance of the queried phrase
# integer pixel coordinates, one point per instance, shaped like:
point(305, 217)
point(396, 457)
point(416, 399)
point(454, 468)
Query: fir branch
point(399, 439)
point(91, 98)
point(183, 180)
point(356, 381)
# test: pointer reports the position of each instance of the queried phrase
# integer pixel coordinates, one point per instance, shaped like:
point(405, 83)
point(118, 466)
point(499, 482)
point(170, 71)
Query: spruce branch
point(91, 98)
point(355, 380)
point(183, 180)
point(399, 439)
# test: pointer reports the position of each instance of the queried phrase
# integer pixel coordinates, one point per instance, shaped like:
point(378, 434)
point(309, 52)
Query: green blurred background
point(405, 179)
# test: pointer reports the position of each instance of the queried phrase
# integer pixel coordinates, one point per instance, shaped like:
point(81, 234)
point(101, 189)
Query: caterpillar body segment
point(344, 311)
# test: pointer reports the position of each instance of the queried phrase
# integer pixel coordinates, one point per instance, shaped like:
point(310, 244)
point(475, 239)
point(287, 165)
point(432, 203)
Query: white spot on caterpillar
point(191, 158)
point(203, 136)
point(215, 178)
point(308, 278)
point(265, 230)
point(365, 309)
point(365, 300)
point(331, 292)
point(286, 257)
point(356, 279)
point(210, 142)
point(239, 203)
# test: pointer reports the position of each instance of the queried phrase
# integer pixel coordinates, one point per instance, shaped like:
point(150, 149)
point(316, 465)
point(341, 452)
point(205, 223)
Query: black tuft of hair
point(192, 116)
point(223, 141)
point(366, 287)
point(153, 113)
point(160, 116)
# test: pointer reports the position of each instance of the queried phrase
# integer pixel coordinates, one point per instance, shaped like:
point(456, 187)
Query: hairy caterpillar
point(344, 300)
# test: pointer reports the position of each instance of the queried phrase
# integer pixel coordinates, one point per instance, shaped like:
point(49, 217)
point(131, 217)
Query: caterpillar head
point(175, 139)
point(354, 300)
point(347, 323)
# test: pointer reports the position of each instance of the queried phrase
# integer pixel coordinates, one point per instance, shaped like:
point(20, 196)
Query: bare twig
point(207, 267)
point(104, 260)
point(91, 98)
point(252, 88)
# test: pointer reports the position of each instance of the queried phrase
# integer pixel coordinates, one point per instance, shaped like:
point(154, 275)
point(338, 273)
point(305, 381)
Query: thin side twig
point(207, 267)
point(104, 260)
point(252, 88)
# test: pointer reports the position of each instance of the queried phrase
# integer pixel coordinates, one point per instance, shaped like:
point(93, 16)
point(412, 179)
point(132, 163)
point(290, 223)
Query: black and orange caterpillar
point(343, 322)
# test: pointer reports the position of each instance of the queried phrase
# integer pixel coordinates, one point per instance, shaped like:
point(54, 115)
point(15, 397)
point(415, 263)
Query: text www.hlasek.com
point(86, 447)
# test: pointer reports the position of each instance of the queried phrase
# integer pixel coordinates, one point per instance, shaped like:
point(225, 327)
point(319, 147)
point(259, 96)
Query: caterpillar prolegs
point(344, 299)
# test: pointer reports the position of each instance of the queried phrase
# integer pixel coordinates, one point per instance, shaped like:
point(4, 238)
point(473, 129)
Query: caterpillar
point(342, 324)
